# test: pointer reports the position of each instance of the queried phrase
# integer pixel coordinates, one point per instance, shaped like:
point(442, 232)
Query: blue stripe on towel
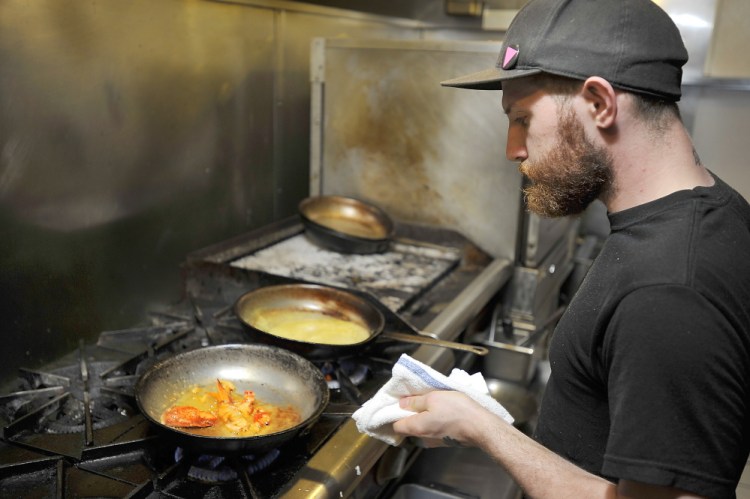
point(417, 369)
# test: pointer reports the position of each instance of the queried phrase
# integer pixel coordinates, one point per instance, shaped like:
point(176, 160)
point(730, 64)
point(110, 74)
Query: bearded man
point(649, 392)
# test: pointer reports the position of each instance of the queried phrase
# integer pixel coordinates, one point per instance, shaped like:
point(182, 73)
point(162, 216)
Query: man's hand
point(443, 418)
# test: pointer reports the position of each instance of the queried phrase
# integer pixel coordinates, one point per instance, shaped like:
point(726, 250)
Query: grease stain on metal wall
point(424, 153)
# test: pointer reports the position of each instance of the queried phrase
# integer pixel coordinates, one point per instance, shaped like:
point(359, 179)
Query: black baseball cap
point(633, 44)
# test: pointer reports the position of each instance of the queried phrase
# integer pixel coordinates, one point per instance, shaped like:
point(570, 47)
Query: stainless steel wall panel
point(132, 133)
point(107, 109)
point(298, 28)
point(392, 135)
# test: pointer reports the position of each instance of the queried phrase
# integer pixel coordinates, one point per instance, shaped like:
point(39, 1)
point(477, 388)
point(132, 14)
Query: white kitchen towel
point(411, 377)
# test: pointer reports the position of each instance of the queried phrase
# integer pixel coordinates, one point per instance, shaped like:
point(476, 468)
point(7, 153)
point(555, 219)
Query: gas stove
point(73, 429)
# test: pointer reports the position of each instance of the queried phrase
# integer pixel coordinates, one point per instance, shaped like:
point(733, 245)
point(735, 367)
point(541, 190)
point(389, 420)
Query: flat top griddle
point(393, 277)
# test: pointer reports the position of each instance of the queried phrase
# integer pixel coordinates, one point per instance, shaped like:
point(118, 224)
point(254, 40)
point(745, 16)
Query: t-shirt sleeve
point(678, 390)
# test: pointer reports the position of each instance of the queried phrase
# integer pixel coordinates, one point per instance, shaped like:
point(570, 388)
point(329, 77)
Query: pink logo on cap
point(511, 56)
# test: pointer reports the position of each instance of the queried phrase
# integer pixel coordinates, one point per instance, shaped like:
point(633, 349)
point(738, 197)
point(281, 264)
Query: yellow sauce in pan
point(310, 326)
point(352, 227)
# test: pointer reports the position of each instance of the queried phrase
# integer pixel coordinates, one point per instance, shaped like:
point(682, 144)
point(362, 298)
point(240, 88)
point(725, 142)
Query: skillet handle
point(429, 340)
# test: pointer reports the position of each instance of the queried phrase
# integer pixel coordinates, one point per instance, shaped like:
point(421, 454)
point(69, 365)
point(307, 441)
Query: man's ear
point(601, 101)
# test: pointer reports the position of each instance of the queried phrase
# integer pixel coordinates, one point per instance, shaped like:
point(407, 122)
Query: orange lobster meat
point(185, 416)
point(226, 413)
point(223, 393)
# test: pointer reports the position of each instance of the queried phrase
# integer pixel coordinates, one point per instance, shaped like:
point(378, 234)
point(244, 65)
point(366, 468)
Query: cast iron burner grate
point(182, 327)
point(72, 409)
point(72, 398)
point(85, 393)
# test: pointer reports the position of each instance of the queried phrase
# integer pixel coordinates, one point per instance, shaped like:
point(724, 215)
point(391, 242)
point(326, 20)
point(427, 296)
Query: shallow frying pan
point(252, 307)
point(346, 225)
point(275, 375)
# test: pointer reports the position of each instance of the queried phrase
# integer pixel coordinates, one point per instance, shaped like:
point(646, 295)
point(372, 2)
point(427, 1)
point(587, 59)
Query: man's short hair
point(655, 112)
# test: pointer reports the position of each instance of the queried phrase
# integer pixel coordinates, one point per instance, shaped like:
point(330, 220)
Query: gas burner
point(345, 375)
point(355, 372)
point(210, 469)
point(86, 396)
point(69, 399)
point(73, 408)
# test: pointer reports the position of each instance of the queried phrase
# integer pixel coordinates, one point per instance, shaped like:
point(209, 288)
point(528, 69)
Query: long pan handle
point(428, 340)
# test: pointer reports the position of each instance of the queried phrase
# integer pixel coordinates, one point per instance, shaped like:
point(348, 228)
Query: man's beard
point(568, 178)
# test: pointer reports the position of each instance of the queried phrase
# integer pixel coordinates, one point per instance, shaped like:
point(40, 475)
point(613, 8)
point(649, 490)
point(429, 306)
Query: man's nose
point(515, 147)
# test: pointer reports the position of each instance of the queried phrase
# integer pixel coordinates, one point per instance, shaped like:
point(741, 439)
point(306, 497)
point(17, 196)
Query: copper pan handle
point(429, 340)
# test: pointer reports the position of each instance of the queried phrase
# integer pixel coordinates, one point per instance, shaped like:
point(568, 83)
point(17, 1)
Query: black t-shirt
point(651, 362)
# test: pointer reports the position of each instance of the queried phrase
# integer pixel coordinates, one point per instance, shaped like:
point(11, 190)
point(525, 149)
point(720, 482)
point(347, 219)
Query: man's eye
point(521, 120)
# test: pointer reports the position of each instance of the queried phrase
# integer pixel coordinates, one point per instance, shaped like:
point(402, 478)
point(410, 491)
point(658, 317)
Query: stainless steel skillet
point(276, 376)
